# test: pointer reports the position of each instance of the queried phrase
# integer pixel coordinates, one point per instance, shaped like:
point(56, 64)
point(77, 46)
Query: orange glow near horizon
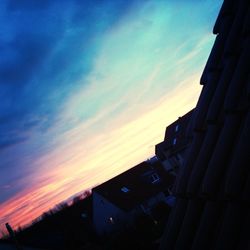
point(120, 148)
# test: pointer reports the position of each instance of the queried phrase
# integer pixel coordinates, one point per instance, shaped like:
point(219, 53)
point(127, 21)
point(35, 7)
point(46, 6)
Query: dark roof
point(137, 181)
point(213, 186)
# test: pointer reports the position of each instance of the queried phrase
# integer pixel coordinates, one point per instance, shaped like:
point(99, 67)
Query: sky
point(87, 89)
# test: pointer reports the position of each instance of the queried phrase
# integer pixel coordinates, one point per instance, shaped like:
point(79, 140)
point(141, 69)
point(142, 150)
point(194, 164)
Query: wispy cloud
point(108, 155)
point(91, 92)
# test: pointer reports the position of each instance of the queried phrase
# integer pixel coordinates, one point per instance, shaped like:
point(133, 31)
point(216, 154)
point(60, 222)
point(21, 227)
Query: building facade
point(178, 137)
point(117, 202)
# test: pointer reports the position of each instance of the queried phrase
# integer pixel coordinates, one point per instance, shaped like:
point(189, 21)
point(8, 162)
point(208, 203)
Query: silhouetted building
point(212, 211)
point(178, 136)
point(117, 202)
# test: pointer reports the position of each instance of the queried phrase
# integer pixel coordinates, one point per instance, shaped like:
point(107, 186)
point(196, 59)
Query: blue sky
point(87, 89)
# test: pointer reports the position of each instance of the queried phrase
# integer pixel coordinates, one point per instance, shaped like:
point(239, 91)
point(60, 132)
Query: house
point(178, 137)
point(118, 201)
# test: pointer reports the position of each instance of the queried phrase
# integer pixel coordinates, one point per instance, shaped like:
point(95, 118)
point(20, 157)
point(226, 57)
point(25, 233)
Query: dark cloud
point(10, 142)
point(47, 47)
point(22, 91)
point(23, 5)
point(31, 52)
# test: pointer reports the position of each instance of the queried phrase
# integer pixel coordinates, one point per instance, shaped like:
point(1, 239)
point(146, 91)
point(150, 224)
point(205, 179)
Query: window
point(174, 141)
point(154, 178)
point(176, 128)
point(125, 190)
point(111, 220)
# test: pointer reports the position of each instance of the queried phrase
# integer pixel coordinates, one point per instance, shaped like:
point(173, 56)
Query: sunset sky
point(87, 89)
